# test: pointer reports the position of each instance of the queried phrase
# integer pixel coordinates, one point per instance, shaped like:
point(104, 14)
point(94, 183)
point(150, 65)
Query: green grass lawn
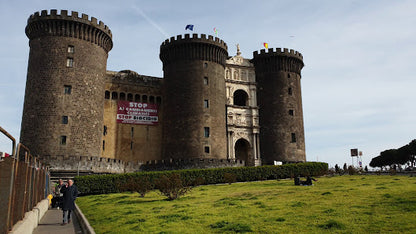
point(340, 204)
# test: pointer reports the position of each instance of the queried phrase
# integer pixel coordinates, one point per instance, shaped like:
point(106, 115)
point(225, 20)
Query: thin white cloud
point(152, 22)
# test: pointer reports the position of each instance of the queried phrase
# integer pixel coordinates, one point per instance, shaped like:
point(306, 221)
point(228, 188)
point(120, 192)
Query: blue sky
point(357, 83)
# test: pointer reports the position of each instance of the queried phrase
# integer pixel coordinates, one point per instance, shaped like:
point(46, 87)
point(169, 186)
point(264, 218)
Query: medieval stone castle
point(209, 109)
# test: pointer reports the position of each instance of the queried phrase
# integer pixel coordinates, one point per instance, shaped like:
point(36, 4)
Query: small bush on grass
point(171, 186)
point(352, 170)
point(230, 178)
point(141, 185)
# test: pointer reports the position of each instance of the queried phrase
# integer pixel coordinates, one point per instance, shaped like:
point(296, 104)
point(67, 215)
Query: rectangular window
point(67, 89)
point(63, 140)
point(132, 132)
point(69, 62)
point(64, 119)
point(290, 91)
point(291, 112)
point(293, 137)
point(206, 149)
point(103, 145)
point(206, 132)
point(206, 103)
point(205, 80)
point(131, 145)
point(70, 49)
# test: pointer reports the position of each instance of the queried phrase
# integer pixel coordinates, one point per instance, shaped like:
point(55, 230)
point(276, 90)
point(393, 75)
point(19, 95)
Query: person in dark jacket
point(70, 193)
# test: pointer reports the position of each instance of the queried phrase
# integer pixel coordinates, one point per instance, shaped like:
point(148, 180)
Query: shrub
point(171, 186)
point(230, 178)
point(99, 184)
point(141, 185)
point(352, 170)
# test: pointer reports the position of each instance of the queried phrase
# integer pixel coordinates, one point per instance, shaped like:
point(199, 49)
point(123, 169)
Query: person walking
point(57, 195)
point(70, 193)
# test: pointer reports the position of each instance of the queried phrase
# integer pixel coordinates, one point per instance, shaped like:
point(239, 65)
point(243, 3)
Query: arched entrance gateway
point(240, 98)
point(242, 151)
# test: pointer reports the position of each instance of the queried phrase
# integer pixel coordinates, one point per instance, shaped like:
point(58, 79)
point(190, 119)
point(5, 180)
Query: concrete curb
point(31, 219)
point(83, 222)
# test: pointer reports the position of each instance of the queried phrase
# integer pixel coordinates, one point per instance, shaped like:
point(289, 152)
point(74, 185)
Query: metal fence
point(24, 181)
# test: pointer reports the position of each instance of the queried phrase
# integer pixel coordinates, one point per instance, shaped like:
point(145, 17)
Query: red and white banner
point(4, 154)
point(137, 113)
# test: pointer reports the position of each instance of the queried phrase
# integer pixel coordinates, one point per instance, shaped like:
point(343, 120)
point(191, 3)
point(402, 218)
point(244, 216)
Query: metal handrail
point(12, 139)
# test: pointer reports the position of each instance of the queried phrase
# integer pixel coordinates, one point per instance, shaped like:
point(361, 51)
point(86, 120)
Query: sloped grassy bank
point(339, 204)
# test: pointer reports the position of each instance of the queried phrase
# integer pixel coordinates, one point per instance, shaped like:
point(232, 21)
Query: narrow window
point(132, 132)
point(144, 98)
point(69, 62)
point(63, 140)
point(131, 145)
point(206, 149)
point(293, 137)
point(130, 97)
point(206, 132)
point(105, 130)
point(122, 96)
point(70, 49)
point(107, 94)
point(114, 96)
point(158, 100)
point(205, 80)
point(152, 99)
point(64, 119)
point(206, 103)
point(137, 98)
point(67, 89)
point(103, 145)
point(290, 91)
point(291, 112)
point(288, 75)
point(205, 65)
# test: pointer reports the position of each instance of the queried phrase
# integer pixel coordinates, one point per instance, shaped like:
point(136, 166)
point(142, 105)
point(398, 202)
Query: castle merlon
point(195, 38)
point(278, 51)
point(73, 17)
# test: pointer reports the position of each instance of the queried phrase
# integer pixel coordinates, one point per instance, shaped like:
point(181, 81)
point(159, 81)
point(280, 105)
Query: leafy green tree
point(394, 157)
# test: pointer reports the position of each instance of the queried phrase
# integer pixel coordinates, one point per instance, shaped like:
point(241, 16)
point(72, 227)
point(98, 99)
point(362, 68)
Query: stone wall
point(97, 165)
point(131, 142)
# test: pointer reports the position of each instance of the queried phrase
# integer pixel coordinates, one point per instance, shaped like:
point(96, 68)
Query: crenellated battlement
point(277, 60)
point(195, 38)
point(108, 165)
point(193, 47)
point(71, 25)
point(278, 52)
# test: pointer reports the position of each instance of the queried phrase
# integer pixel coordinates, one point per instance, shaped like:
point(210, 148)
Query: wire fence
point(24, 182)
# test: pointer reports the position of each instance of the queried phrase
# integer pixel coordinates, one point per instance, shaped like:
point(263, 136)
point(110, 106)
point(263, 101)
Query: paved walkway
point(51, 223)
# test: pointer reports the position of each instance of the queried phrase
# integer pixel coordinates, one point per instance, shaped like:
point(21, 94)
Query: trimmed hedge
point(100, 184)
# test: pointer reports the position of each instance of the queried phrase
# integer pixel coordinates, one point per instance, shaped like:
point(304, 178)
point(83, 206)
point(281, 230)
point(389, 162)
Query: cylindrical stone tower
point(194, 97)
point(63, 108)
point(279, 99)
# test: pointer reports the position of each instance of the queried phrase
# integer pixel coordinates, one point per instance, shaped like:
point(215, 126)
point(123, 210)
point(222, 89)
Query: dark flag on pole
point(190, 27)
